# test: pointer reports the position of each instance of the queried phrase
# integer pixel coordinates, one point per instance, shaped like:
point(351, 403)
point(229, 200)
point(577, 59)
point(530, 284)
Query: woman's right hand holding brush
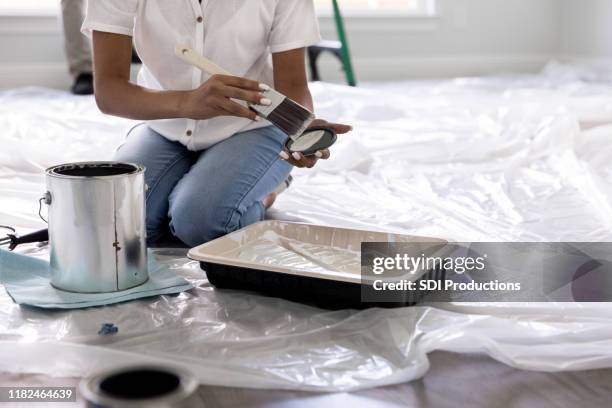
point(214, 98)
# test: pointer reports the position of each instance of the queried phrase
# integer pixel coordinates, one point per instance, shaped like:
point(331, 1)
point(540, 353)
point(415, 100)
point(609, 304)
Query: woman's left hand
point(299, 160)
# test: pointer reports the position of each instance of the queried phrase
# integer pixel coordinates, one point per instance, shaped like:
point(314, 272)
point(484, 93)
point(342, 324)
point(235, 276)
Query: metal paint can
point(142, 387)
point(97, 226)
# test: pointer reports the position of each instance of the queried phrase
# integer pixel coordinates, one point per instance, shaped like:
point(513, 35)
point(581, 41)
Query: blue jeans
point(200, 196)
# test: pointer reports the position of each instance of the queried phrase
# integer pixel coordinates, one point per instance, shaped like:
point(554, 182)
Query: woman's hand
point(214, 98)
point(299, 160)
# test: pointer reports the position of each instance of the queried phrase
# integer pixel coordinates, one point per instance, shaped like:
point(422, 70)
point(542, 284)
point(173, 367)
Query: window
point(364, 8)
point(376, 8)
point(29, 7)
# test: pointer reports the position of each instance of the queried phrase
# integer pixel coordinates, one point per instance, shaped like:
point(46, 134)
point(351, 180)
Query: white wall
point(587, 29)
point(31, 52)
point(468, 37)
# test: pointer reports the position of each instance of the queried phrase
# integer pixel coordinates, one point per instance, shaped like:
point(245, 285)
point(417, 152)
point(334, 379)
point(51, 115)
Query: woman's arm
point(290, 80)
point(290, 76)
point(115, 95)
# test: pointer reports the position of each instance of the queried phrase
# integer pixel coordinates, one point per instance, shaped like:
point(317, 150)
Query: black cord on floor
point(8, 228)
point(7, 240)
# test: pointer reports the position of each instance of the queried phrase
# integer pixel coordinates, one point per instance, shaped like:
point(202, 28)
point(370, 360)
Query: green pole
point(346, 55)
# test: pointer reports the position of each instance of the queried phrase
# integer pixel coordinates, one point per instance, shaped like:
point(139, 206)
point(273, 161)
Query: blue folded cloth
point(26, 280)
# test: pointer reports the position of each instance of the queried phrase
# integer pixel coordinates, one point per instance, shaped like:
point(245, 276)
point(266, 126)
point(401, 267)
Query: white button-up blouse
point(239, 35)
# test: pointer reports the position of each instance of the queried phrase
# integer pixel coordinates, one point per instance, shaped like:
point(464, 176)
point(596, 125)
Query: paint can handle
point(46, 198)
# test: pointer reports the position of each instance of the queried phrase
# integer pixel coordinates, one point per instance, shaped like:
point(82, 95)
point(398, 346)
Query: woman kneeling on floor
point(212, 165)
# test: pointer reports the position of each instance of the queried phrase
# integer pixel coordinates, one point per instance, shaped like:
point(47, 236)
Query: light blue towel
point(26, 280)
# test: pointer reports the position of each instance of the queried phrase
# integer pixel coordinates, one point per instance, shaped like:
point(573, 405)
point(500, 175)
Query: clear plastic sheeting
point(483, 159)
point(40, 128)
point(244, 340)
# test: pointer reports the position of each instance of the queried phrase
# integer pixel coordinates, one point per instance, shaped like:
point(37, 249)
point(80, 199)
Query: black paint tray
point(305, 263)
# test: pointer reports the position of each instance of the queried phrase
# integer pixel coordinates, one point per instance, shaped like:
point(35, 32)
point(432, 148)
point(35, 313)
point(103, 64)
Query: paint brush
point(286, 114)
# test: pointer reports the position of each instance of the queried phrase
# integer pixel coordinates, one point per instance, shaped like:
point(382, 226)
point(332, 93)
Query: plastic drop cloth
point(500, 158)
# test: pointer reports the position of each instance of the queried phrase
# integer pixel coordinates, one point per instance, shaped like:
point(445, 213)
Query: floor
point(453, 380)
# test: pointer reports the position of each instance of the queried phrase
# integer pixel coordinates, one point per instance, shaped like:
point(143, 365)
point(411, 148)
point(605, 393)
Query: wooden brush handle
point(191, 57)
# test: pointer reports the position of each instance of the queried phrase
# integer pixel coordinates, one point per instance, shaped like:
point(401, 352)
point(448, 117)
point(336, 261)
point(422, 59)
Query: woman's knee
point(195, 224)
